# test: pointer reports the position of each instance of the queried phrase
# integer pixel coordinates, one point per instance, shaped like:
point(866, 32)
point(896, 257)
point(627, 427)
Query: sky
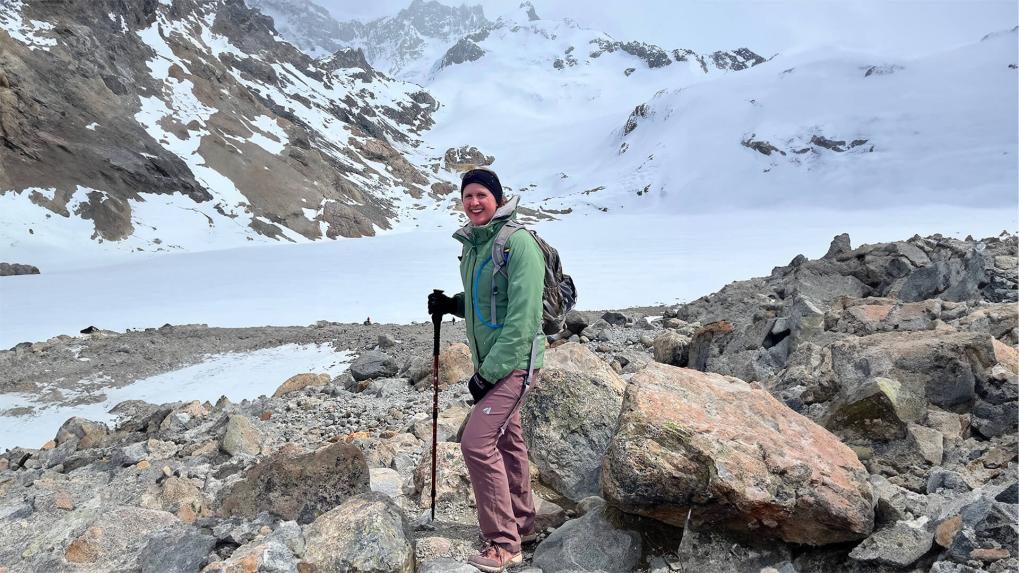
point(901, 28)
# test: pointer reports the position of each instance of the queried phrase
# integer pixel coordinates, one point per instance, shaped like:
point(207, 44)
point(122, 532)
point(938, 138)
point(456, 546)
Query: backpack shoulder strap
point(499, 258)
point(499, 245)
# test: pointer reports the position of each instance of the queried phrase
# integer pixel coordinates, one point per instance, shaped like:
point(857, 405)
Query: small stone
point(991, 554)
point(265, 416)
point(143, 465)
point(946, 530)
point(386, 341)
point(85, 549)
point(49, 445)
point(167, 471)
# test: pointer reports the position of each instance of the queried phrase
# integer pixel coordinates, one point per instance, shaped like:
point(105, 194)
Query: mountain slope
point(189, 125)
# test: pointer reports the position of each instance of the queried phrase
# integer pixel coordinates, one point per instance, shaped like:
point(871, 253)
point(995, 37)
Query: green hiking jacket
point(502, 346)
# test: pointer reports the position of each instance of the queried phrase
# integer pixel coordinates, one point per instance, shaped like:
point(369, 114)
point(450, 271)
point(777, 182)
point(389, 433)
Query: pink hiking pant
point(498, 464)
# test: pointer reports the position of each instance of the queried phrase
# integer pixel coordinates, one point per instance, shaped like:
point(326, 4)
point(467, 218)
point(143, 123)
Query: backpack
point(559, 294)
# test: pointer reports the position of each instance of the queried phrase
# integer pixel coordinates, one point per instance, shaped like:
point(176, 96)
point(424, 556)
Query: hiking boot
point(494, 559)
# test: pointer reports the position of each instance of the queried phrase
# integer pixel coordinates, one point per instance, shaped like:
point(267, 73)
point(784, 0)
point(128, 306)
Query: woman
point(504, 348)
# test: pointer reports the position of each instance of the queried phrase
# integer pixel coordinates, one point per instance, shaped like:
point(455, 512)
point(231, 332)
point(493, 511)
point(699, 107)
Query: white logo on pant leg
point(487, 410)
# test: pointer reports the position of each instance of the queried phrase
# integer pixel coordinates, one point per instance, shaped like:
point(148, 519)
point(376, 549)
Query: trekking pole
point(437, 323)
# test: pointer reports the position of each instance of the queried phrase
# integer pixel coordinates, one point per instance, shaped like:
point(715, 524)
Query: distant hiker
point(504, 331)
point(367, 321)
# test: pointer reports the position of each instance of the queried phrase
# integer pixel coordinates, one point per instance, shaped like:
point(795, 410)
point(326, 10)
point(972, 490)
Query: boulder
point(449, 423)
point(373, 364)
point(384, 387)
point(899, 545)
point(299, 487)
point(367, 534)
point(88, 433)
point(454, 498)
point(241, 437)
point(569, 417)
point(738, 456)
point(877, 408)
point(183, 498)
point(176, 551)
point(589, 543)
point(455, 365)
point(941, 367)
point(113, 533)
point(300, 382)
point(671, 348)
point(387, 481)
point(576, 321)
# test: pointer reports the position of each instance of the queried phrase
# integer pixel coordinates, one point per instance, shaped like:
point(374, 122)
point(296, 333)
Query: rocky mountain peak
point(302, 22)
point(529, 8)
point(434, 20)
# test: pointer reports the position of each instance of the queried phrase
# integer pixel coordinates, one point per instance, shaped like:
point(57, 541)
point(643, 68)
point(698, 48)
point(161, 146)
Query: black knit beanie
point(486, 178)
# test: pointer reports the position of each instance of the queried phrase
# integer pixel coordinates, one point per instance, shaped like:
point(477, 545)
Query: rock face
point(366, 534)
point(737, 456)
point(568, 418)
point(299, 487)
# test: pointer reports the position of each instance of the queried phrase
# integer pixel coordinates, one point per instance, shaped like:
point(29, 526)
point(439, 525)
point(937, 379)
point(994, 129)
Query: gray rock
point(896, 503)
point(576, 321)
point(373, 364)
point(594, 330)
point(387, 481)
point(930, 443)
point(616, 318)
point(299, 487)
point(368, 534)
point(941, 480)
point(839, 245)
point(588, 543)
point(900, 545)
point(568, 420)
point(993, 420)
point(130, 455)
point(385, 387)
point(176, 551)
point(1009, 494)
point(878, 408)
point(80, 428)
point(714, 552)
point(386, 341)
point(241, 437)
point(671, 348)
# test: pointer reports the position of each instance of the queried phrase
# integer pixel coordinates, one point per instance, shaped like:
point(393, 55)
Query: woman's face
point(479, 204)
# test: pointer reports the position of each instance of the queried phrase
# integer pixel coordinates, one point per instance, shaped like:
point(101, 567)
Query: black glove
point(479, 387)
point(440, 304)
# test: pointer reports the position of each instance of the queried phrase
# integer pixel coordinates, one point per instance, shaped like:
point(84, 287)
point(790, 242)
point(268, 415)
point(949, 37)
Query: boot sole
point(497, 569)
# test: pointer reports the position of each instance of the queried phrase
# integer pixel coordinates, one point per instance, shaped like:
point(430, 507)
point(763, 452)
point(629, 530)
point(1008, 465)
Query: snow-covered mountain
point(191, 125)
